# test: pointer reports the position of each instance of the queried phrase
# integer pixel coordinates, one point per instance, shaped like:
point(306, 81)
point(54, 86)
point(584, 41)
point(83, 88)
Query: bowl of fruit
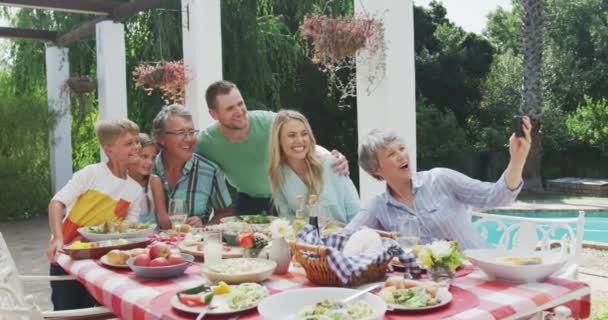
point(160, 263)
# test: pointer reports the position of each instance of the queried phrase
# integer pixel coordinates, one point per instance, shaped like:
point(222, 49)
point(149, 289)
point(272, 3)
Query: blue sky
point(471, 15)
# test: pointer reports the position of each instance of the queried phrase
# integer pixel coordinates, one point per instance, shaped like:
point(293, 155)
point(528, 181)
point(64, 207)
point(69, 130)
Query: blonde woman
point(299, 168)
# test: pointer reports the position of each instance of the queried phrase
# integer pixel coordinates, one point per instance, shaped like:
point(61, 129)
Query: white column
point(111, 70)
point(202, 45)
point(60, 136)
point(392, 104)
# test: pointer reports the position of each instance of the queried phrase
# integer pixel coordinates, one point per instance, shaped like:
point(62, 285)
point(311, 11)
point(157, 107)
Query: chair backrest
point(13, 303)
point(534, 233)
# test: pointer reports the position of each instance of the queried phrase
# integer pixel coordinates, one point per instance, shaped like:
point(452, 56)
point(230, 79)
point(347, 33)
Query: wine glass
point(409, 232)
point(177, 213)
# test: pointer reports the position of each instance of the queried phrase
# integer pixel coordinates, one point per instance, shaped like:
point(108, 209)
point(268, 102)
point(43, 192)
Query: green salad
point(416, 297)
point(246, 295)
point(329, 310)
point(254, 219)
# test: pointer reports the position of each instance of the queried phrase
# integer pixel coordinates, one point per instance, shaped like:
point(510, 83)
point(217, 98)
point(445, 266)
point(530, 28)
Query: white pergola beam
point(202, 45)
point(111, 70)
point(60, 136)
point(392, 104)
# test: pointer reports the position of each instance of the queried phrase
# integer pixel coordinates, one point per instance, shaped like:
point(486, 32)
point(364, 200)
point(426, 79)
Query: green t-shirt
point(244, 164)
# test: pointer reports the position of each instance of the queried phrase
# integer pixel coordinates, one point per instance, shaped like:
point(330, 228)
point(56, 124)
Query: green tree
point(433, 150)
point(450, 59)
point(503, 28)
point(24, 164)
point(589, 123)
point(501, 97)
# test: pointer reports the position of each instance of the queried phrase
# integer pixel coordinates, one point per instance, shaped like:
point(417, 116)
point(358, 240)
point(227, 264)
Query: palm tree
point(532, 98)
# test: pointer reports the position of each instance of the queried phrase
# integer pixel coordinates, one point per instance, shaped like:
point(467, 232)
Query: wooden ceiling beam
point(98, 7)
point(38, 35)
point(119, 14)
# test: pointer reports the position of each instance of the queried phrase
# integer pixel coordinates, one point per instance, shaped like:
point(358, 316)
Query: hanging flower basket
point(81, 84)
point(336, 38)
point(167, 76)
point(334, 43)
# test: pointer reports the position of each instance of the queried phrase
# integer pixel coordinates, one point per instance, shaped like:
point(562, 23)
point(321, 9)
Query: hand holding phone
point(518, 126)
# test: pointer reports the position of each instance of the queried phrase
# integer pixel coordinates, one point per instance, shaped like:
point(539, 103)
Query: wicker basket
point(319, 271)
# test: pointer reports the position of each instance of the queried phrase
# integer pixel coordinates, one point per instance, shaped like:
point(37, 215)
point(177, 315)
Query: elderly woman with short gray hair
point(184, 174)
point(438, 200)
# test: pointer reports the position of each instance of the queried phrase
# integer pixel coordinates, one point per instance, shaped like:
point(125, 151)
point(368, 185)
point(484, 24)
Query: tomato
point(195, 300)
point(191, 300)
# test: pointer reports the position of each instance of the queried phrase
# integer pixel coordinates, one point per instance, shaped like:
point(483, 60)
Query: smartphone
point(518, 126)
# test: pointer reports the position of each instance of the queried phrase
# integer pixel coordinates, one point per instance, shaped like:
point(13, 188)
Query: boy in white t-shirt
point(96, 194)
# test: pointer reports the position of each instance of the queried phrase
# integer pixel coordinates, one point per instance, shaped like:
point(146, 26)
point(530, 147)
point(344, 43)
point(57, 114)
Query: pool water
point(596, 224)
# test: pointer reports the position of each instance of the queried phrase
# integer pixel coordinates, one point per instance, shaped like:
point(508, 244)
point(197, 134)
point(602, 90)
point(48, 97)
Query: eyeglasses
point(183, 134)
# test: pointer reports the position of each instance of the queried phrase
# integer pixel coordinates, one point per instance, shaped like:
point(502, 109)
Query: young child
point(153, 200)
point(96, 194)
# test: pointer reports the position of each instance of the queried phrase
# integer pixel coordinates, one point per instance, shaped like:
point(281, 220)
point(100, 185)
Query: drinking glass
point(177, 213)
point(409, 232)
point(212, 246)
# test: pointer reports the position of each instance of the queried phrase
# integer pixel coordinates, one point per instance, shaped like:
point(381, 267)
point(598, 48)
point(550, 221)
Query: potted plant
point(167, 76)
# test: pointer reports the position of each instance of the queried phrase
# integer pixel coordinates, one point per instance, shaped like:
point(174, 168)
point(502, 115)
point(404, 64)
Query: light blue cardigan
point(338, 200)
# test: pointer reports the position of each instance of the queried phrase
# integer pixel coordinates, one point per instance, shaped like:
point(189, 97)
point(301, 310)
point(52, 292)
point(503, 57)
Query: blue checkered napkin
point(347, 267)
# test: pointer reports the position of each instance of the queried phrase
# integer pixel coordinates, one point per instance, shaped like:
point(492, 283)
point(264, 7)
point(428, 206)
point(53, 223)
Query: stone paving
point(28, 240)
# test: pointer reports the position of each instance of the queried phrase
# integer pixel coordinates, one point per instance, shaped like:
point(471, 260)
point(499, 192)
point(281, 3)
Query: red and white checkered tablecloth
point(130, 297)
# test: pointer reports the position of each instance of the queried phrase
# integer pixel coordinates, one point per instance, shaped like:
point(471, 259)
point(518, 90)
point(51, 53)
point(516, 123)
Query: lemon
point(80, 245)
point(221, 288)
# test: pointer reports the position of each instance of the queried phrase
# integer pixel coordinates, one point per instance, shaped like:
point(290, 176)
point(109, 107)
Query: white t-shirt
point(94, 195)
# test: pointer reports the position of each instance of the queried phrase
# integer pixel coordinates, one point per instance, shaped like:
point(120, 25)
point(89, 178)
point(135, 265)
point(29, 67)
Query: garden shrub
point(24, 155)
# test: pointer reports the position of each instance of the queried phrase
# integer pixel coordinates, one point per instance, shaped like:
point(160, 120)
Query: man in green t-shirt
point(238, 143)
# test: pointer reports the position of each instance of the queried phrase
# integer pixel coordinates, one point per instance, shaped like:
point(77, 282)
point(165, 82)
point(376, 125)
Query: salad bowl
point(240, 270)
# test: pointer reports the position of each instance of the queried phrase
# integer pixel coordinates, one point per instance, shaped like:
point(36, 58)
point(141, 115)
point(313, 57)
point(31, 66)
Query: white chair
point(539, 234)
point(15, 305)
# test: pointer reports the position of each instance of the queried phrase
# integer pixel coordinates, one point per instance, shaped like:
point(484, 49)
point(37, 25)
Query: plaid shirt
point(202, 185)
point(348, 266)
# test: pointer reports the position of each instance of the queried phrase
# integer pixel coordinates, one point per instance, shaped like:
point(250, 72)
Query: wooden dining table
point(475, 297)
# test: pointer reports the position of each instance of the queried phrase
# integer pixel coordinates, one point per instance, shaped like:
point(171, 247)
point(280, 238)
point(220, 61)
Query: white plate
point(443, 296)
point(105, 261)
point(220, 301)
point(287, 304)
point(487, 261)
point(116, 235)
point(264, 271)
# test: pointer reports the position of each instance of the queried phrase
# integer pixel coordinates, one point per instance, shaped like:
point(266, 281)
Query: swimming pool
point(596, 223)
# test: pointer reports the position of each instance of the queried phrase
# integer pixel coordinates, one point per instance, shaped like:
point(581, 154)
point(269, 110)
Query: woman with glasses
point(184, 174)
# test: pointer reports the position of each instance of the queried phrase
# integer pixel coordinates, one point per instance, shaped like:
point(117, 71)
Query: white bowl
point(263, 270)
point(487, 261)
point(287, 304)
point(164, 272)
point(84, 231)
